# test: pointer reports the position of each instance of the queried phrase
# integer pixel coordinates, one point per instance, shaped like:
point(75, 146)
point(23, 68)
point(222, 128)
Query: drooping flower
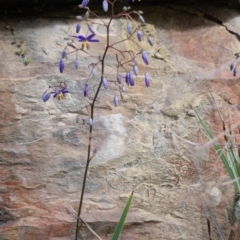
point(145, 57)
point(105, 5)
point(84, 3)
point(78, 27)
point(139, 35)
point(76, 63)
point(64, 53)
point(149, 39)
point(105, 83)
point(131, 78)
point(46, 96)
point(61, 66)
point(60, 92)
point(85, 90)
point(147, 80)
point(86, 40)
point(115, 101)
point(231, 66)
point(135, 69)
point(129, 28)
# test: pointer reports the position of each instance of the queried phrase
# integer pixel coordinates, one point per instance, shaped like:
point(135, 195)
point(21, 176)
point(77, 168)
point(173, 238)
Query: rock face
point(151, 143)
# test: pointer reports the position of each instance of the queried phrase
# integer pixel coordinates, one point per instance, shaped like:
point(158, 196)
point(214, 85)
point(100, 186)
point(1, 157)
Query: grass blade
point(119, 227)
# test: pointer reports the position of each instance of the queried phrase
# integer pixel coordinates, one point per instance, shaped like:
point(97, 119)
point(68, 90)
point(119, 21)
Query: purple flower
point(85, 91)
point(105, 83)
point(105, 5)
point(60, 93)
point(61, 66)
point(45, 96)
point(135, 69)
point(139, 35)
point(129, 28)
point(115, 101)
point(231, 66)
point(149, 39)
point(145, 57)
point(127, 79)
point(119, 78)
point(131, 78)
point(64, 53)
point(86, 40)
point(85, 3)
point(234, 72)
point(76, 63)
point(78, 27)
point(147, 80)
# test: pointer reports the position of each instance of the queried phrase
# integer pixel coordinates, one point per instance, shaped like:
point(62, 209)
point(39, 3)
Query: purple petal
point(85, 3)
point(145, 57)
point(80, 38)
point(78, 27)
point(85, 91)
point(65, 90)
point(105, 83)
point(129, 28)
point(45, 96)
point(115, 101)
point(61, 66)
point(147, 80)
point(105, 5)
point(139, 35)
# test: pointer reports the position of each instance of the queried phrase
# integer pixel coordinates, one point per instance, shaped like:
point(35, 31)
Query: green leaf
point(119, 227)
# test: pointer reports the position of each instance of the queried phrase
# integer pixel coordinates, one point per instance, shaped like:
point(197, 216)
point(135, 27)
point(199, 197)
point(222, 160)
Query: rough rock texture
point(151, 143)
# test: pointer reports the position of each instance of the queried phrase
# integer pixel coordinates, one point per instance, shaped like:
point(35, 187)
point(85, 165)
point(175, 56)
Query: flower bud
point(129, 28)
point(234, 72)
point(61, 66)
point(91, 30)
point(149, 39)
point(45, 96)
point(86, 15)
point(89, 121)
point(85, 91)
point(135, 70)
point(78, 27)
point(145, 57)
point(76, 63)
point(85, 3)
point(147, 80)
point(122, 95)
point(139, 35)
point(119, 78)
point(115, 101)
point(141, 19)
point(94, 71)
point(231, 67)
point(64, 53)
point(140, 12)
point(105, 83)
point(124, 8)
point(105, 5)
point(127, 79)
point(79, 18)
point(131, 78)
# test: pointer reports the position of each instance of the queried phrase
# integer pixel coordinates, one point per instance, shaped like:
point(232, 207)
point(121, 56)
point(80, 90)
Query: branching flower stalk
point(126, 61)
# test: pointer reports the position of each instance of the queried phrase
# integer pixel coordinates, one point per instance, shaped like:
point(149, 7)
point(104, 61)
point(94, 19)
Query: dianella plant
point(85, 40)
